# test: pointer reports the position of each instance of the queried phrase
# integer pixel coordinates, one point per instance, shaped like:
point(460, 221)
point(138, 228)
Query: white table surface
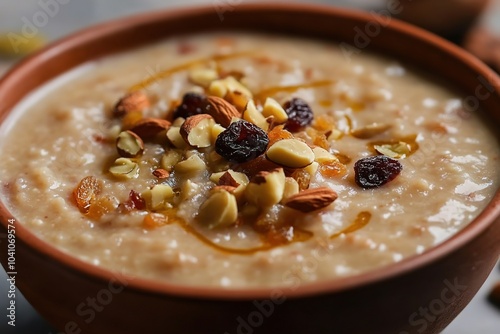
point(478, 317)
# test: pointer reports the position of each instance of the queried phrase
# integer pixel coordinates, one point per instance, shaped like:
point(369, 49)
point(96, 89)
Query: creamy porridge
point(245, 160)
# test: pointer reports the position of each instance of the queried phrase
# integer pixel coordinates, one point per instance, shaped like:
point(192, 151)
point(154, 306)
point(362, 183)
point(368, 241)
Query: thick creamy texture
point(445, 184)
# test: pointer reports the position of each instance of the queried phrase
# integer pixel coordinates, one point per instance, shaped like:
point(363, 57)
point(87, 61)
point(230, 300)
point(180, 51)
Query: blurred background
point(472, 24)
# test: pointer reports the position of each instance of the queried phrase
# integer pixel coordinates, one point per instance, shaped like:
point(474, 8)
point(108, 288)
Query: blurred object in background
point(449, 18)
point(483, 40)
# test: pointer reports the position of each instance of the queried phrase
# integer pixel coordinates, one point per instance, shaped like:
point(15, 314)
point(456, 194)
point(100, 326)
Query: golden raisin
point(86, 193)
point(303, 178)
point(333, 169)
point(101, 207)
point(321, 141)
point(154, 220)
point(324, 123)
point(278, 133)
point(131, 119)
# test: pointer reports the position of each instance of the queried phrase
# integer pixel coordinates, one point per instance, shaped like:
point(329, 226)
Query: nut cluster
point(252, 152)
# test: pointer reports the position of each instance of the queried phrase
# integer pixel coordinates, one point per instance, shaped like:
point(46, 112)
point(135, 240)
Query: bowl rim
point(486, 218)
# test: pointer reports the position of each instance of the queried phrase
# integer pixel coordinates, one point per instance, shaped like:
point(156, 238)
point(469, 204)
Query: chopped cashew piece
point(273, 108)
point(266, 188)
point(252, 115)
point(291, 153)
point(219, 210)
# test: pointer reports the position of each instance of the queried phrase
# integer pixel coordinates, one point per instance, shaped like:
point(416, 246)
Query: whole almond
point(150, 127)
point(311, 199)
point(196, 130)
point(222, 111)
point(135, 101)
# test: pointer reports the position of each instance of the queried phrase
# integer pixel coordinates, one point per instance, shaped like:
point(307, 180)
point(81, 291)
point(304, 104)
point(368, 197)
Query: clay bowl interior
point(388, 300)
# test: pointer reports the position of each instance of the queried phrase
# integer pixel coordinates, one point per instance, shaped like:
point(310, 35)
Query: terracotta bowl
point(420, 294)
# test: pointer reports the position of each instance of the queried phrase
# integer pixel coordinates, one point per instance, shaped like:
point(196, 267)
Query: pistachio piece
point(370, 131)
point(219, 210)
point(170, 159)
point(273, 108)
point(129, 145)
point(203, 76)
point(321, 155)
point(252, 115)
point(158, 197)
point(175, 138)
point(193, 164)
point(125, 168)
point(291, 153)
point(132, 102)
point(266, 188)
point(291, 187)
point(396, 151)
point(197, 130)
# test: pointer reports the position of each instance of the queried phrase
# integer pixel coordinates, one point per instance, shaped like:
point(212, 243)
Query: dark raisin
point(192, 104)
point(242, 141)
point(134, 202)
point(299, 113)
point(374, 172)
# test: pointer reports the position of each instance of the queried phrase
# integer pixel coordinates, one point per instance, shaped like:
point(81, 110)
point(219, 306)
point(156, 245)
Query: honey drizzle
point(166, 73)
point(361, 221)
point(299, 236)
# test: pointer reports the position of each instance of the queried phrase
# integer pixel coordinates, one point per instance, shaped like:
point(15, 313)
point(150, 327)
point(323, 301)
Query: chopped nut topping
point(197, 130)
point(125, 168)
point(274, 109)
point(396, 151)
point(266, 188)
point(291, 187)
point(150, 127)
point(370, 131)
point(252, 115)
point(203, 77)
point(193, 164)
point(221, 87)
point(219, 210)
point(321, 155)
point(161, 173)
point(135, 101)
point(158, 197)
point(175, 138)
point(129, 145)
point(222, 111)
point(170, 159)
point(291, 153)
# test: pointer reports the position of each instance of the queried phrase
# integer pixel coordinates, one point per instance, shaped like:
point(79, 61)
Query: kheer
point(242, 160)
